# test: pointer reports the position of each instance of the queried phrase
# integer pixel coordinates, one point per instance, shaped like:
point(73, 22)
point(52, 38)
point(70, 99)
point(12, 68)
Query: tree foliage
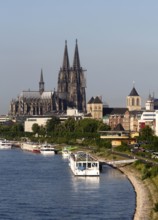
point(154, 144)
point(52, 123)
point(71, 131)
point(35, 128)
point(88, 125)
point(70, 124)
point(146, 133)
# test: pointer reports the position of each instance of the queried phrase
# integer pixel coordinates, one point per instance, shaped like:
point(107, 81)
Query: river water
point(37, 187)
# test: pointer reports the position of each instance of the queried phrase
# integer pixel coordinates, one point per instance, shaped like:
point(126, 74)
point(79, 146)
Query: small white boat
point(65, 152)
point(4, 144)
point(47, 149)
point(83, 164)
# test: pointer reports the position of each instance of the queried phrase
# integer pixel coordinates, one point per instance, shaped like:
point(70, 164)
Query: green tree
point(17, 127)
point(52, 123)
point(70, 124)
point(42, 130)
point(154, 145)
point(88, 125)
point(146, 134)
point(35, 128)
point(103, 127)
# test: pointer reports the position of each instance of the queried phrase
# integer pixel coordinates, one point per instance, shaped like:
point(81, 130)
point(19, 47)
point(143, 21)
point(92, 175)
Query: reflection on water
point(112, 172)
point(86, 182)
point(94, 180)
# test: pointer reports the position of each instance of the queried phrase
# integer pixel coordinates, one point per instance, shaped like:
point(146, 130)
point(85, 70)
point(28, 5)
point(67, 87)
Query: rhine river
point(37, 187)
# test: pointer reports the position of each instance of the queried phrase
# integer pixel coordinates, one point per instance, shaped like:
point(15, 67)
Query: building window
point(132, 101)
point(137, 101)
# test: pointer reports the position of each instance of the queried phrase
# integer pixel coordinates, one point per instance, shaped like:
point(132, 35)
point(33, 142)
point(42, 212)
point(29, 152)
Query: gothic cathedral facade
point(71, 91)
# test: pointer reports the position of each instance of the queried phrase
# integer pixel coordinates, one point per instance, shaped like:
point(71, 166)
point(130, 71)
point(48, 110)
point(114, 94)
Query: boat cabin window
point(89, 165)
point(94, 164)
point(79, 164)
point(84, 164)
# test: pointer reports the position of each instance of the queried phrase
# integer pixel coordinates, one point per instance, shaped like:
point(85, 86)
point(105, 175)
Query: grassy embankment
point(149, 176)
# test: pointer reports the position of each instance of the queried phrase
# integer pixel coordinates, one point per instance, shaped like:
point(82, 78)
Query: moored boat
point(47, 149)
point(65, 152)
point(83, 164)
point(5, 144)
point(30, 146)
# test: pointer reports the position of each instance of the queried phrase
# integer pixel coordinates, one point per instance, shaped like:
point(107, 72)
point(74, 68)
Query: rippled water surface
point(36, 187)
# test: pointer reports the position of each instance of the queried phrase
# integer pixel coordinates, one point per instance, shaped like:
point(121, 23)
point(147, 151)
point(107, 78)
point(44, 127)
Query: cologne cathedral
point(70, 92)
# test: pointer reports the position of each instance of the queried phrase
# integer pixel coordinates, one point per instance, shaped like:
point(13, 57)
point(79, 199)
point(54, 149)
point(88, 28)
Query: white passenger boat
point(47, 149)
point(83, 164)
point(4, 144)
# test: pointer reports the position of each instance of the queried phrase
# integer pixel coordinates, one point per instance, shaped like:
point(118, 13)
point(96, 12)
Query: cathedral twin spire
point(71, 87)
point(66, 65)
point(41, 83)
point(76, 60)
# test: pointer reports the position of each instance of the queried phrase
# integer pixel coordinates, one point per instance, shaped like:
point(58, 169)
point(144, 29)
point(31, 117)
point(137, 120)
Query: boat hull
point(5, 147)
point(4, 144)
point(65, 153)
point(47, 152)
point(31, 147)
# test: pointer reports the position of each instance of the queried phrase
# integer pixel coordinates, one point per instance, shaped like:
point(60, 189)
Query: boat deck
point(82, 156)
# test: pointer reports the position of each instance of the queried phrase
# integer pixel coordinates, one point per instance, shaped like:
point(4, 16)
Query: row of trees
point(84, 131)
point(70, 130)
point(70, 125)
point(12, 131)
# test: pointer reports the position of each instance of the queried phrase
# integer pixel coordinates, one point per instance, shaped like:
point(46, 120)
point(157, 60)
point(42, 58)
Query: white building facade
point(41, 121)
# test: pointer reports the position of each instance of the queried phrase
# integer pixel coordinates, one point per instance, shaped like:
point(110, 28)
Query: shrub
point(138, 165)
point(154, 171)
point(156, 207)
point(123, 148)
point(145, 173)
point(137, 162)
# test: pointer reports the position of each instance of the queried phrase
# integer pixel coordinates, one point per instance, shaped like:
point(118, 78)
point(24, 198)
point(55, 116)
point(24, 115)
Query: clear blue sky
point(117, 39)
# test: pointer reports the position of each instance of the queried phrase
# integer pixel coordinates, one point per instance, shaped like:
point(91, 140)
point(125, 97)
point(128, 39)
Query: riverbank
point(145, 196)
point(146, 191)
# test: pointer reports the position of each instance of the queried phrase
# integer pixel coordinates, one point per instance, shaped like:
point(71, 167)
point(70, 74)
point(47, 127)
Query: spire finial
point(133, 83)
point(76, 40)
point(65, 42)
